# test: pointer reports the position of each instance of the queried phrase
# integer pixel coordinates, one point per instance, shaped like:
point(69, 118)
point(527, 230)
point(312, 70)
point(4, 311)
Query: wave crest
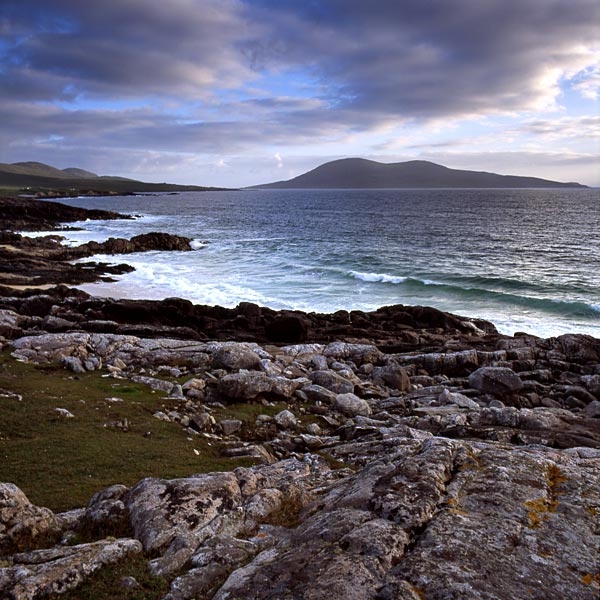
point(377, 277)
point(568, 308)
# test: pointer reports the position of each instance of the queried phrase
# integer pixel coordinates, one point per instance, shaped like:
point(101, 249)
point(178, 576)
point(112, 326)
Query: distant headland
point(43, 181)
point(362, 173)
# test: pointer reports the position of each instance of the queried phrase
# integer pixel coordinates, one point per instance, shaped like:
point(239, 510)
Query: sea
point(528, 260)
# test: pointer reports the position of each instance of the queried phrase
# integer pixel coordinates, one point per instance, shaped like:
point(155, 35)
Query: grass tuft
point(106, 583)
point(61, 462)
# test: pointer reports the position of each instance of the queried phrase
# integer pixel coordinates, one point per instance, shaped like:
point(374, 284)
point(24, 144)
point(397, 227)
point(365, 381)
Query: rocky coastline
point(39, 261)
point(404, 453)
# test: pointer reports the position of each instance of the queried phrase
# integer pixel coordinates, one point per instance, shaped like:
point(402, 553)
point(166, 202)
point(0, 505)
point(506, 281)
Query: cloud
point(226, 77)
point(439, 58)
point(561, 128)
point(387, 58)
point(129, 48)
point(587, 82)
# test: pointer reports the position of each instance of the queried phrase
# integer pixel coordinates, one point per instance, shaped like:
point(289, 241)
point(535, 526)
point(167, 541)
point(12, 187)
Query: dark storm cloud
point(378, 62)
point(125, 48)
point(436, 58)
point(144, 129)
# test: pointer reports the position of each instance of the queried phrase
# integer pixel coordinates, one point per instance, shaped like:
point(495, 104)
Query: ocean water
point(527, 260)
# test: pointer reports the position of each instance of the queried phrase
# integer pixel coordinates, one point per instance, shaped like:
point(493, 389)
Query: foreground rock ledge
point(465, 474)
point(431, 518)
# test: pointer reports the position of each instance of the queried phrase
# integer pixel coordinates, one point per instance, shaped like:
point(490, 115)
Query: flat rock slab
point(442, 519)
point(46, 573)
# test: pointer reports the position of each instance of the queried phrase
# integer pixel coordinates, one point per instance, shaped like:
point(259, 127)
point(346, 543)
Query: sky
point(241, 92)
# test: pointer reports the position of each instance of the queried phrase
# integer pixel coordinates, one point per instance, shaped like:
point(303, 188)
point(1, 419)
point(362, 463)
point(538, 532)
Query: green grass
point(11, 191)
point(105, 583)
point(60, 463)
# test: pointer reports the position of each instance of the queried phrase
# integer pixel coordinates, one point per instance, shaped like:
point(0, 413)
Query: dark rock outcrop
point(40, 261)
point(383, 329)
point(26, 214)
point(26, 261)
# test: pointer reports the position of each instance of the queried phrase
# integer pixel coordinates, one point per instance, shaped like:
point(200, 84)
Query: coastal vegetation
point(43, 181)
point(60, 462)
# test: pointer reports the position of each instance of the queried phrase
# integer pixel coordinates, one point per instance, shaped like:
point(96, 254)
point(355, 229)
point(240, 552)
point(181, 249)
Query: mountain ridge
point(40, 177)
point(359, 173)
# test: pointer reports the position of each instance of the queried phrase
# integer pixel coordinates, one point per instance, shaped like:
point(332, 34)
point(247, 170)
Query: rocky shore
point(405, 453)
point(419, 455)
point(39, 261)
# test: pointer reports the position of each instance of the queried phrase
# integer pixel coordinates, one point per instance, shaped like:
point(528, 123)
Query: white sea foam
point(386, 278)
point(290, 263)
point(160, 280)
point(198, 244)
point(37, 234)
point(377, 277)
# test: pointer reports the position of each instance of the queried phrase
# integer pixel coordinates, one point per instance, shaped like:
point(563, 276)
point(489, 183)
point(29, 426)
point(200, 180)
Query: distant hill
point(36, 176)
point(362, 173)
point(79, 173)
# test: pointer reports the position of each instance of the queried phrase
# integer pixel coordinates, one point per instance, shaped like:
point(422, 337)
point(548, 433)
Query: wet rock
point(580, 348)
point(286, 419)
point(460, 400)
point(57, 324)
point(498, 381)
point(351, 405)
point(287, 328)
point(395, 376)
point(580, 393)
point(230, 426)
point(332, 382)
point(245, 385)
point(235, 357)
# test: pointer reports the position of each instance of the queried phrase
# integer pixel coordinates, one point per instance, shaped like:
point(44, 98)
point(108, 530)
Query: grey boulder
point(498, 381)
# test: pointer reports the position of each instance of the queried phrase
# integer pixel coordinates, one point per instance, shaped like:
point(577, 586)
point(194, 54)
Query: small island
point(360, 173)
